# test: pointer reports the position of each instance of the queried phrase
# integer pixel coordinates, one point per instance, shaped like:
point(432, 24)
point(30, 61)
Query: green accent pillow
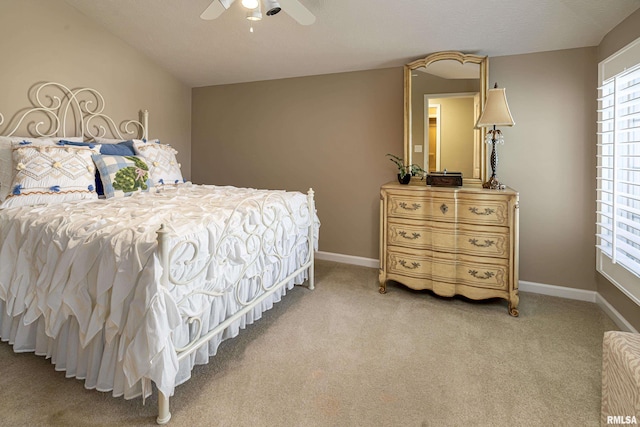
point(122, 175)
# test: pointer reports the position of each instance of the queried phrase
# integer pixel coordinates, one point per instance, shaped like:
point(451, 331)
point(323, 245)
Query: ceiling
point(348, 35)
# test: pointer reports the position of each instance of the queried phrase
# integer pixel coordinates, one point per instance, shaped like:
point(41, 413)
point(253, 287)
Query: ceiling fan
point(294, 8)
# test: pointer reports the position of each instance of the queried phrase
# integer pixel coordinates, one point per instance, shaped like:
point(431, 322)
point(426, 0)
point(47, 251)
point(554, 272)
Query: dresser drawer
point(483, 211)
point(483, 241)
point(469, 271)
point(470, 240)
point(435, 208)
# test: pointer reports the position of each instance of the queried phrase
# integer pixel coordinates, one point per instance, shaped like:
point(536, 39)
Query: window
point(618, 170)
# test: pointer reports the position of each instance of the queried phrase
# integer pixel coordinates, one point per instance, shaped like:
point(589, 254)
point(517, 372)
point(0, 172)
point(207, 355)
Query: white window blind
point(618, 176)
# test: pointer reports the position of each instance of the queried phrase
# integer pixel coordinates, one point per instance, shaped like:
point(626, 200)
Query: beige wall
point(626, 32)
point(329, 132)
point(47, 40)
point(623, 34)
point(549, 157)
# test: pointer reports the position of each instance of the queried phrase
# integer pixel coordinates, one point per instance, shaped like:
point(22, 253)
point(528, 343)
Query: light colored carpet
point(344, 355)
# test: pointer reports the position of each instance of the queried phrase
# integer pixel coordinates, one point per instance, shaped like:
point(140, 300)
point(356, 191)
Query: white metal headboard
point(59, 107)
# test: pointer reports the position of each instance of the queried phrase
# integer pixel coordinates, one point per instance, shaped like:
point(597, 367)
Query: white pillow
point(48, 173)
point(6, 162)
point(161, 158)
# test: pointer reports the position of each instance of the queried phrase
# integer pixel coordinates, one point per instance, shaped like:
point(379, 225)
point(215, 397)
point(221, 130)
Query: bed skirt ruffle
point(97, 363)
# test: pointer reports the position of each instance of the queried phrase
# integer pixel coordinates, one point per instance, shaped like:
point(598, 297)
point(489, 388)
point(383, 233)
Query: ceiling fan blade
point(297, 11)
point(214, 10)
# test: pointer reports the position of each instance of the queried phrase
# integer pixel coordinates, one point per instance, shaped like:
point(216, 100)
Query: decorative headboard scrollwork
point(58, 111)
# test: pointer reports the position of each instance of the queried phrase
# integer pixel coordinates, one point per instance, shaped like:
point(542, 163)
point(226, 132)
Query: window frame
point(623, 278)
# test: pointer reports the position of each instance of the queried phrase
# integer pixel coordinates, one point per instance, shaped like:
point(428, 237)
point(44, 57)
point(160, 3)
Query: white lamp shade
point(250, 4)
point(254, 15)
point(496, 111)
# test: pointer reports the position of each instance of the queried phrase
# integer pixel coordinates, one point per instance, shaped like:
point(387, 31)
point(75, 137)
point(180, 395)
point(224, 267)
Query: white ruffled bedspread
point(80, 282)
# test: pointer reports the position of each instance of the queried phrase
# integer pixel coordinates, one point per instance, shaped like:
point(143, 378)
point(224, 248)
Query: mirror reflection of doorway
point(449, 138)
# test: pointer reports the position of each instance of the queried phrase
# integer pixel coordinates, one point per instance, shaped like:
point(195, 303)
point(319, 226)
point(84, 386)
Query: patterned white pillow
point(161, 158)
point(46, 173)
point(6, 160)
point(6, 168)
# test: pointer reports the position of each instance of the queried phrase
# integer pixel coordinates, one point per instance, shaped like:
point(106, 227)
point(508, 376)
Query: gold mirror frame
point(480, 150)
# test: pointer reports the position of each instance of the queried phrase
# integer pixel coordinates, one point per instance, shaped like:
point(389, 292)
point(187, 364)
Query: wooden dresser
point(451, 240)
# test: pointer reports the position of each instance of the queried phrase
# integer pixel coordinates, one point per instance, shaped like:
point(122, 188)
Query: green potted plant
point(406, 171)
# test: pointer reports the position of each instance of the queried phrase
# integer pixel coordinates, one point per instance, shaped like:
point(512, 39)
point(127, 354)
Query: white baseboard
point(536, 288)
point(617, 318)
point(581, 295)
point(348, 259)
point(557, 291)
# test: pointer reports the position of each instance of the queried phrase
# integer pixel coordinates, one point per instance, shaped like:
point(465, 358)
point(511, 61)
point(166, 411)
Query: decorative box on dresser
point(452, 240)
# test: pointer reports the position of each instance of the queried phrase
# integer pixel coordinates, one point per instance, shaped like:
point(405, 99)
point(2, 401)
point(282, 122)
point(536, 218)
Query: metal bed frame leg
point(163, 409)
point(312, 213)
point(163, 253)
point(311, 274)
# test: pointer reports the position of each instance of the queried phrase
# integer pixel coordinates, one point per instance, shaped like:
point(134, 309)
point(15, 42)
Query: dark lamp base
point(494, 184)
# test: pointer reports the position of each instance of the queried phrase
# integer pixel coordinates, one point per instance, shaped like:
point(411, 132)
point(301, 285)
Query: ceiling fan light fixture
point(272, 7)
point(293, 8)
point(251, 4)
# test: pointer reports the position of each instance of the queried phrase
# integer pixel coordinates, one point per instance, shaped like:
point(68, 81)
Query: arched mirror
point(443, 97)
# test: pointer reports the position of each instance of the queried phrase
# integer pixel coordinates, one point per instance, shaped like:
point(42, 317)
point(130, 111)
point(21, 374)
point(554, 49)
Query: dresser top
point(420, 186)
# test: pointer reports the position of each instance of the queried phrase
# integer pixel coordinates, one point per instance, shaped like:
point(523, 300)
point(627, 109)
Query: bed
point(130, 290)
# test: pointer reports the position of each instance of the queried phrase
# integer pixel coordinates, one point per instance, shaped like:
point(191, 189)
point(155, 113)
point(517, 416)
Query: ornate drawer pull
point(414, 236)
point(487, 211)
point(487, 243)
point(487, 274)
point(444, 208)
point(414, 207)
point(413, 265)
